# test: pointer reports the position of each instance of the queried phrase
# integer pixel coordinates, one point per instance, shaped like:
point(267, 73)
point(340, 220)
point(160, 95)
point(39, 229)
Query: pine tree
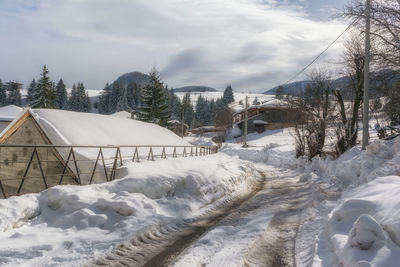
point(73, 99)
point(130, 89)
point(14, 93)
point(155, 108)
point(280, 91)
point(117, 91)
point(61, 95)
point(104, 100)
point(122, 104)
point(87, 106)
point(228, 95)
point(211, 111)
point(79, 99)
point(202, 110)
point(175, 105)
point(46, 93)
point(3, 94)
point(256, 102)
point(188, 111)
point(32, 92)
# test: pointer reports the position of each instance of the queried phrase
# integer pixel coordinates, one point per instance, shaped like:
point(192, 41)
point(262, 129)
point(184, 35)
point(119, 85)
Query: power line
point(316, 58)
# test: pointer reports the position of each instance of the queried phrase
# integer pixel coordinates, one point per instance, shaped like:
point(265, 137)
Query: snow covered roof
point(77, 128)
point(274, 103)
point(9, 113)
point(260, 122)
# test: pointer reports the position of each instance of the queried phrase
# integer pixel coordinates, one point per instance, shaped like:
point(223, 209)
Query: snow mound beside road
point(366, 226)
point(68, 225)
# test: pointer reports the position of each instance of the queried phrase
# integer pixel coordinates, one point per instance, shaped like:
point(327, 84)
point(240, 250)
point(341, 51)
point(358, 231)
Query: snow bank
point(366, 226)
point(354, 167)
point(68, 225)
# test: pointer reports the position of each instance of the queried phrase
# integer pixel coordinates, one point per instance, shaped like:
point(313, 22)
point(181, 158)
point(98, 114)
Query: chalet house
point(266, 117)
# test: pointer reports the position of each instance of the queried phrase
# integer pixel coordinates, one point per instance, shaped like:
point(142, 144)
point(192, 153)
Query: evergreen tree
point(122, 104)
point(46, 93)
point(280, 91)
point(32, 92)
point(130, 90)
point(155, 108)
point(211, 111)
point(137, 95)
point(87, 106)
point(228, 95)
point(104, 100)
point(14, 93)
point(117, 91)
point(61, 95)
point(79, 99)
point(256, 102)
point(73, 100)
point(188, 111)
point(3, 94)
point(175, 105)
point(202, 111)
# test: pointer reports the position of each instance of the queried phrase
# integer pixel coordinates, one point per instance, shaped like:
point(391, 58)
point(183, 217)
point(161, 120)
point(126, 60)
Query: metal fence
point(33, 168)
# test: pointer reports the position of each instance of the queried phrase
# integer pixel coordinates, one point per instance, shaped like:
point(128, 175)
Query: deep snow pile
point(366, 226)
point(69, 225)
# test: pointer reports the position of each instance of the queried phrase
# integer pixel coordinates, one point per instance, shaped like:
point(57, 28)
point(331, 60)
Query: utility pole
point(183, 121)
point(245, 124)
point(366, 74)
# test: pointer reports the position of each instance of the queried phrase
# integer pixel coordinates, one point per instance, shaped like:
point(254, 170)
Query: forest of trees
point(155, 102)
point(44, 93)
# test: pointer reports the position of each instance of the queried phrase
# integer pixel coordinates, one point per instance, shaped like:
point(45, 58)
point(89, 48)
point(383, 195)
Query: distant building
point(7, 115)
point(266, 117)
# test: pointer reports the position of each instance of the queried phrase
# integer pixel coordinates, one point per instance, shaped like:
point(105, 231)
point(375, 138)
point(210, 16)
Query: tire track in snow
point(159, 245)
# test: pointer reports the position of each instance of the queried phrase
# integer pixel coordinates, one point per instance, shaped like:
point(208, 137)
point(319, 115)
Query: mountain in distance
point(141, 79)
point(293, 88)
point(390, 77)
point(194, 88)
point(136, 77)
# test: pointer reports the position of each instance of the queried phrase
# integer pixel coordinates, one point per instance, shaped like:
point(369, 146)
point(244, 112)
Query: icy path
point(257, 229)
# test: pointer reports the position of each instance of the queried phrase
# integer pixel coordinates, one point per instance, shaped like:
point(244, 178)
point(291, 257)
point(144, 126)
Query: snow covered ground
point(341, 212)
point(70, 225)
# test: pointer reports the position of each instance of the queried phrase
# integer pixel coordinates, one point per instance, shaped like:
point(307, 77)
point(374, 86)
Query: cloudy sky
point(252, 44)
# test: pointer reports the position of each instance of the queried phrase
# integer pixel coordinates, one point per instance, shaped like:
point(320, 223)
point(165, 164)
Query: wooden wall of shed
point(14, 161)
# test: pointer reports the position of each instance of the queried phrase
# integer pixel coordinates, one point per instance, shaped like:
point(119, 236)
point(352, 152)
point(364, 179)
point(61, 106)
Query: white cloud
point(253, 45)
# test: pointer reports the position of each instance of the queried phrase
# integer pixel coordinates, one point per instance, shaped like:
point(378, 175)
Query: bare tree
point(354, 64)
point(385, 28)
point(317, 111)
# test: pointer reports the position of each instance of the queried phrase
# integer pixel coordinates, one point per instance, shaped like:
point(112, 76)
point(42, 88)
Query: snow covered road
point(257, 229)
